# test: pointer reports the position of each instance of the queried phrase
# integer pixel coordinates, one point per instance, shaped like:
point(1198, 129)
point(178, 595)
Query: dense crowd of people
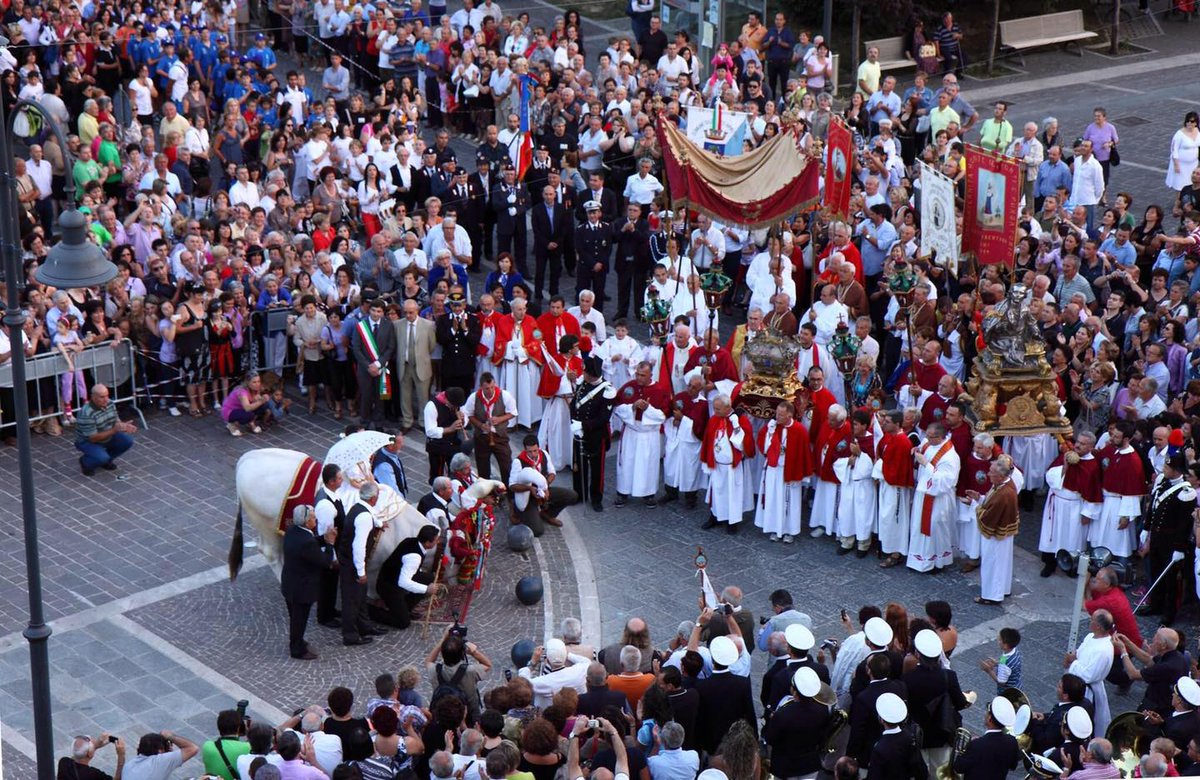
point(285, 193)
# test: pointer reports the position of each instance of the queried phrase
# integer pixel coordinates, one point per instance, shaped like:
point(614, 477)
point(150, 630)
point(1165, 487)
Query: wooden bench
point(1065, 27)
point(891, 53)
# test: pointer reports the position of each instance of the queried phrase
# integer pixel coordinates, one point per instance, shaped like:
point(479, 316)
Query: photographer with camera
point(455, 671)
point(220, 755)
point(785, 614)
point(158, 755)
point(585, 729)
point(83, 750)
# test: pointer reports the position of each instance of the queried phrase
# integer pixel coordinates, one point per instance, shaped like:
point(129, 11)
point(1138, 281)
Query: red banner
point(991, 209)
point(839, 149)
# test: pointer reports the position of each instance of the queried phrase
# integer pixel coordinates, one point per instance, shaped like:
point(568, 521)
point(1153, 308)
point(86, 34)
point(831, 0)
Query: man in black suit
point(598, 695)
point(300, 582)
point(799, 641)
point(538, 174)
point(593, 248)
point(401, 584)
point(631, 236)
point(879, 636)
point(685, 703)
point(798, 728)
point(422, 178)
point(598, 192)
point(865, 727)
point(510, 201)
point(995, 753)
point(434, 505)
point(458, 333)
point(461, 201)
point(551, 224)
point(482, 181)
point(565, 194)
point(373, 343)
point(895, 755)
point(725, 698)
point(927, 683)
point(331, 513)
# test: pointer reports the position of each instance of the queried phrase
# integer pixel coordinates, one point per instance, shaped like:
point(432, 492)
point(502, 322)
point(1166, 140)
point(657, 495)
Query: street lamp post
point(74, 262)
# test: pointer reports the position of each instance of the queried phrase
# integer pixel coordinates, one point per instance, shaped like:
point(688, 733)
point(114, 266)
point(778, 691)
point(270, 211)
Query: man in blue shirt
point(1119, 249)
point(1053, 173)
point(778, 46)
point(1173, 259)
point(878, 235)
point(261, 55)
point(884, 104)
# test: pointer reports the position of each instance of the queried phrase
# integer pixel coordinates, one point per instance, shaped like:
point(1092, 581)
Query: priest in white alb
point(856, 500)
point(1073, 502)
point(1092, 662)
point(641, 406)
point(787, 461)
point(893, 470)
point(684, 431)
point(935, 511)
point(618, 355)
point(727, 441)
point(518, 357)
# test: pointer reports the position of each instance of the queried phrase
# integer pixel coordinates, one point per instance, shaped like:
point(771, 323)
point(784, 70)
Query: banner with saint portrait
point(991, 209)
point(939, 230)
point(838, 168)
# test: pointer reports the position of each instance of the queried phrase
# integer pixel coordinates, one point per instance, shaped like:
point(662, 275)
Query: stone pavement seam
point(264, 708)
point(984, 94)
point(118, 607)
point(548, 620)
point(16, 740)
point(585, 582)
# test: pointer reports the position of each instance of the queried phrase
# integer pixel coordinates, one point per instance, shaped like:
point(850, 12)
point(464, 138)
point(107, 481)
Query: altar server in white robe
point(641, 406)
point(787, 460)
point(489, 320)
point(1072, 503)
point(833, 440)
point(934, 512)
point(727, 440)
point(684, 431)
point(1092, 662)
point(857, 501)
point(521, 370)
point(618, 355)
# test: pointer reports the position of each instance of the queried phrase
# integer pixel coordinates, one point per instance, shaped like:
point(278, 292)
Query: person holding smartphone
point(78, 765)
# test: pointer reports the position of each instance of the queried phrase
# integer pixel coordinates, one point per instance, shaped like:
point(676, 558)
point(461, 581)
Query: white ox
point(264, 478)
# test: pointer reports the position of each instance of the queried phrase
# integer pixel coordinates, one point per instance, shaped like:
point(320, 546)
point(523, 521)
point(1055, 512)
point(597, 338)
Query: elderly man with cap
point(684, 434)
point(444, 423)
point(927, 682)
point(303, 563)
point(401, 584)
point(995, 753)
point(560, 670)
point(999, 520)
point(591, 410)
point(1183, 722)
point(796, 730)
point(1092, 662)
point(865, 725)
point(799, 642)
point(725, 698)
point(895, 756)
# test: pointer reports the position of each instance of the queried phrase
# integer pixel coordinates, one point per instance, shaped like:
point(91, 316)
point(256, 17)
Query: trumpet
point(962, 738)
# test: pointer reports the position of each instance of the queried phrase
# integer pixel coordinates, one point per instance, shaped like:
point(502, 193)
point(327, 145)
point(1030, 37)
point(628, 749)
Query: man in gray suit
point(372, 359)
point(415, 341)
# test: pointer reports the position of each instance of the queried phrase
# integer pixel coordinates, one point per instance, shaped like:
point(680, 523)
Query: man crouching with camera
point(83, 750)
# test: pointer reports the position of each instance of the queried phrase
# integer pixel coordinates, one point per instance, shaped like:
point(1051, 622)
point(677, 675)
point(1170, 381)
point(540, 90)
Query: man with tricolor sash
point(373, 343)
point(934, 510)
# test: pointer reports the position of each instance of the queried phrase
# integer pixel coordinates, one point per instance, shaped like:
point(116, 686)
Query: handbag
point(1114, 156)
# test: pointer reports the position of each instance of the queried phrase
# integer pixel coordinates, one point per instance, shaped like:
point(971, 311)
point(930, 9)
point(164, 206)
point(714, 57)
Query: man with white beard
point(934, 514)
point(684, 433)
point(787, 455)
point(727, 441)
point(641, 406)
point(519, 355)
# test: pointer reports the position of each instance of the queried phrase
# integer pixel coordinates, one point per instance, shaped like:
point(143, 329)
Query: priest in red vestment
point(787, 461)
point(839, 243)
point(927, 369)
point(518, 358)
point(556, 323)
point(728, 442)
point(642, 407)
point(673, 360)
point(714, 361)
point(832, 442)
point(1073, 502)
point(1124, 484)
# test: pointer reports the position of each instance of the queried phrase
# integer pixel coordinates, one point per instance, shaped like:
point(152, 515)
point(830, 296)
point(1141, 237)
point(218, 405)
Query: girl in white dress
point(1185, 147)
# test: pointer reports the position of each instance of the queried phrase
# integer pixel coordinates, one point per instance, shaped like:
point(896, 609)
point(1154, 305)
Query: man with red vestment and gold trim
point(832, 442)
point(1124, 484)
point(557, 387)
point(728, 440)
point(671, 360)
point(1074, 501)
point(641, 406)
point(518, 358)
point(787, 462)
point(894, 470)
point(556, 323)
point(934, 512)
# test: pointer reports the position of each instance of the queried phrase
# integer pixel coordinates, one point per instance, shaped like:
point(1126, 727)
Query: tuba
point(1020, 703)
point(1127, 733)
point(962, 738)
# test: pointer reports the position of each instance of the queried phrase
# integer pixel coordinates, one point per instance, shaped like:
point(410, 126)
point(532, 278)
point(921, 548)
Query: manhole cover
point(1130, 121)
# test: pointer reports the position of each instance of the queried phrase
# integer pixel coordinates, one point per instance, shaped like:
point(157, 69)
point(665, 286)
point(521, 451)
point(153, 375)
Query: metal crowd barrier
point(102, 363)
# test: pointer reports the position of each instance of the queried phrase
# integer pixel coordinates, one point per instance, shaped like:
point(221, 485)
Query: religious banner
point(838, 150)
point(756, 189)
point(717, 130)
point(938, 230)
point(991, 209)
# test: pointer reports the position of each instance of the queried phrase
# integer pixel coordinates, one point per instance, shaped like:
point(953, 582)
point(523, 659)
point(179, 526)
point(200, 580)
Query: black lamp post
point(74, 262)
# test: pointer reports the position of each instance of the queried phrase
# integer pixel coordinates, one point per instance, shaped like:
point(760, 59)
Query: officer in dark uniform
point(797, 730)
point(591, 408)
point(481, 183)
point(631, 235)
point(509, 202)
point(895, 755)
point(593, 247)
point(463, 200)
point(1077, 732)
point(799, 642)
point(1169, 521)
point(995, 753)
point(458, 333)
point(330, 513)
point(926, 682)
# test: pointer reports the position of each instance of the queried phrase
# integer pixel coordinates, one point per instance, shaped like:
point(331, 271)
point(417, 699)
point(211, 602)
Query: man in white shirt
point(178, 75)
point(708, 244)
point(243, 190)
point(564, 670)
point(670, 67)
point(161, 172)
point(643, 187)
point(294, 98)
point(591, 153)
point(40, 170)
point(1147, 405)
point(1087, 182)
point(826, 313)
point(586, 311)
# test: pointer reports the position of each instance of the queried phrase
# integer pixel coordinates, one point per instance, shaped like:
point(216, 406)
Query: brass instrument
point(837, 735)
point(1127, 733)
point(1020, 729)
point(962, 738)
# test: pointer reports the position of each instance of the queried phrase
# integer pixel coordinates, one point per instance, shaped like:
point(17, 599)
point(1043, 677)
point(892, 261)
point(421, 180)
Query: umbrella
point(353, 453)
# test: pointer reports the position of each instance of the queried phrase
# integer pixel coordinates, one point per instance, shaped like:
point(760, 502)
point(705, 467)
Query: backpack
point(451, 687)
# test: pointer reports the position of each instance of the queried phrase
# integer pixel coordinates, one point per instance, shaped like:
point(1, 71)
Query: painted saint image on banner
point(839, 165)
point(989, 206)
